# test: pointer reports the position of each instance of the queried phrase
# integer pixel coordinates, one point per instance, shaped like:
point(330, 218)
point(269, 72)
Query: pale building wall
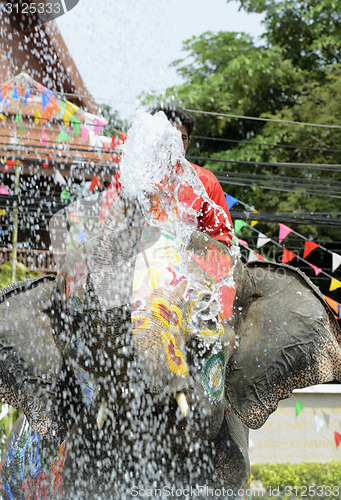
point(309, 437)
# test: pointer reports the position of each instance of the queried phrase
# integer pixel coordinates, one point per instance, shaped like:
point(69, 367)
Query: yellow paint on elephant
point(140, 324)
point(175, 358)
point(169, 314)
point(151, 273)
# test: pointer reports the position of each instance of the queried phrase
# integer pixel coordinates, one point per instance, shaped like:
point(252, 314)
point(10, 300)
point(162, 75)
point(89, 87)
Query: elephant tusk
point(182, 403)
point(101, 415)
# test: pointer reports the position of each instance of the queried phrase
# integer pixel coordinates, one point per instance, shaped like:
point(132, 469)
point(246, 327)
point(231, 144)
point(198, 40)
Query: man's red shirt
point(208, 219)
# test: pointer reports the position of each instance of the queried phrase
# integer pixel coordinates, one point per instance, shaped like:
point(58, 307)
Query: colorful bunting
point(254, 222)
point(37, 117)
point(316, 269)
point(298, 407)
point(15, 93)
point(59, 178)
point(98, 126)
point(43, 137)
point(254, 256)
point(81, 235)
point(336, 261)
point(332, 303)
point(27, 95)
point(63, 136)
point(242, 242)
point(76, 125)
point(64, 195)
point(3, 190)
point(318, 423)
point(51, 109)
point(283, 232)
point(288, 256)
point(44, 100)
point(2, 117)
point(334, 284)
point(84, 133)
point(95, 183)
point(5, 90)
point(9, 164)
point(309, 246)
point(230, 200)
point(262, 240)
point(238, 224)
point(337, 437)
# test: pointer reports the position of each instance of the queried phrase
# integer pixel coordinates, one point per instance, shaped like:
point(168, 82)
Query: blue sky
point(124, 48)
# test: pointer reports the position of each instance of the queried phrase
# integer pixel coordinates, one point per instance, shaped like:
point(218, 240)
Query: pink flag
point(84, 133)
point(3, 190)
point(43, 137)
point(316, 269)
point(98, 126)
point(283, 232)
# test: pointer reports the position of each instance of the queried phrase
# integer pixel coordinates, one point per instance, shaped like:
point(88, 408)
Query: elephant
point(142, 365)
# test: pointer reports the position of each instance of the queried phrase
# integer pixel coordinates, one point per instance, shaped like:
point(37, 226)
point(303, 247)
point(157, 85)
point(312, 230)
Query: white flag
point(336, 261)
point(318, 423)
point(59, 178)
point(262, 240)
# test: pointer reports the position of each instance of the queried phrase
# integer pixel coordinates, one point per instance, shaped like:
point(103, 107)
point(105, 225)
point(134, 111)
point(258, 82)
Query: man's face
point(184, 133)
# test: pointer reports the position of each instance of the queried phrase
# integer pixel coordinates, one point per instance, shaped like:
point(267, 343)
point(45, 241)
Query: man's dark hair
point(176, 114)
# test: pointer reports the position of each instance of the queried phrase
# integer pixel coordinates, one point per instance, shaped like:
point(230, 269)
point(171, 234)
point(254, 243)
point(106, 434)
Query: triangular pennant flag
point(318, 423)
point(5, 90)
point(262, 240)
point(298, 407)
point(337, 437)
point(51, 109)
point(3, 190)
point(283, 232)
point(332, 303)
point(63, 136)
point(44, 100)
point(336, 261)
point(2, 117)
point(238, 224)
point(27, 95)
point(81, 235)
point(254, 222)
point(309, 246)
point(95, 183)
point(64, 195)
point(316, 269)
point(15, 93)
point(230, 200)
point(98, 126)
point(43, 137)
point(254, 256)
point(334, 284)
point(37, 117)
point(59, 178)
point(242, 242)
point(288, 256)
point(9, 164)
point(326, 418)
point(76, 125)
point(84, 133)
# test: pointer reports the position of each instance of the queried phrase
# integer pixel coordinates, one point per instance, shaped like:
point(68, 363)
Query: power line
point(313, 166)
point(252, 143)
point(245, 117)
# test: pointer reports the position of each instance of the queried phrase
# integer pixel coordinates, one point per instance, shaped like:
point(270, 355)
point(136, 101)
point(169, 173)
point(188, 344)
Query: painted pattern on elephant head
point(180, 315)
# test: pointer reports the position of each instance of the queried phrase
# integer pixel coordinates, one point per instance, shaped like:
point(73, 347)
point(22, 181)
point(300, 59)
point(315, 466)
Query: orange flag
point(309, 246)
point(95, 183)
point(332, 303)
point(288, 256)
point(337, 438)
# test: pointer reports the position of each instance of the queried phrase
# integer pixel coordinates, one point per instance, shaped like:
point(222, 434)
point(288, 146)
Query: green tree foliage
point(294, 76)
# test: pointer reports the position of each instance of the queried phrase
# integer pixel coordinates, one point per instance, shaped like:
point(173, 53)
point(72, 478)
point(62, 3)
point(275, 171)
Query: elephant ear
point(288, 338)
point(30, 362)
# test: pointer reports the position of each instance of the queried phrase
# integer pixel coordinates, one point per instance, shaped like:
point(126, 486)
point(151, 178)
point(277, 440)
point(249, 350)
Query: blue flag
point(230, 200)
